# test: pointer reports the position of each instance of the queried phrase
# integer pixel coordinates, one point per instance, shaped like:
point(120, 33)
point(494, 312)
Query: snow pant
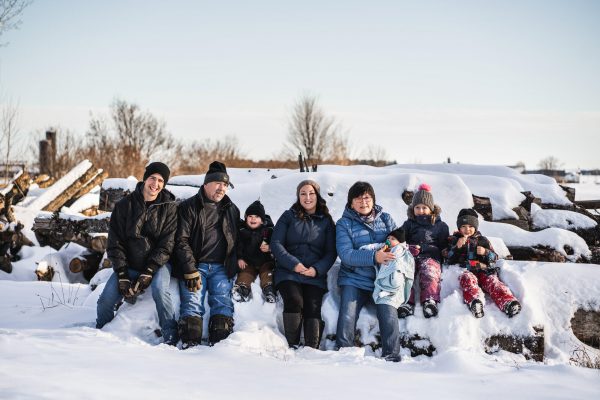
point(352, 300)
point(217, 284)
point(491, 284)
point(248, 275)
point(111, 296)
point(302, 304)
point(429, 272)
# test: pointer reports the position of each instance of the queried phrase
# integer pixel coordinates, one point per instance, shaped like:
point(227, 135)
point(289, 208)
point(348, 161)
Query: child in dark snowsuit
point(254, 254)
point(425, 228)
point(472, 251)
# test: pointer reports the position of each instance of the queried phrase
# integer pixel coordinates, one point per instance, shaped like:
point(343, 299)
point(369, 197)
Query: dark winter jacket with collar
point(467, 256)
point(309, 240)
point(190, 234)
point(141, 237)
point(249, 241)
point(358, 266)
point(427, 231)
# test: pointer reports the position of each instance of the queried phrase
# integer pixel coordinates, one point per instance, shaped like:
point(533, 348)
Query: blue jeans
point(215, 281)
point(352, 300)
point(110, 297)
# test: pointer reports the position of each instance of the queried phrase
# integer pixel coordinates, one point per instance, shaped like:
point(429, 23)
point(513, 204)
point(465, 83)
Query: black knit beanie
point(157, 168)
point(256, 208)
point(467, 216)
point(399, 234)
point(217, 173)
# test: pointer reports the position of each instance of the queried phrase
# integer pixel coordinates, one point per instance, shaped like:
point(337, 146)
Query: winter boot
point(430, 308)
point(219, 327)
point(392, 358)
point(313, 331)
point(512, 308)
point(5, 264)
point(269, 294)
point(476, 308)
point(190, 331)
point(406, 310)
point(291, 327)
point(241, 293)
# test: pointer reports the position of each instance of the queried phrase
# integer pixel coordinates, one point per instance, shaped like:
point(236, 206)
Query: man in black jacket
point(206, 258)
point(140, 242)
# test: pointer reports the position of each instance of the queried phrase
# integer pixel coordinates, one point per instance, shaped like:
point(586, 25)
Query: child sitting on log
point(474, 252)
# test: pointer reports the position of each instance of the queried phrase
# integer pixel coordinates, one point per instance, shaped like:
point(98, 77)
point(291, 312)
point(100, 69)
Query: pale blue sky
point(478, 81)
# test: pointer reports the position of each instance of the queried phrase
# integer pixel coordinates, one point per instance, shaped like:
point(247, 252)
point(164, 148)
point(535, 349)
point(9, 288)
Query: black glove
point(143, 281)
point(193, 281)
point(124, 284)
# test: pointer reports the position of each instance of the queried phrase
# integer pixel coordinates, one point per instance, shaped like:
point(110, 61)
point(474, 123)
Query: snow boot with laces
point(476, 308)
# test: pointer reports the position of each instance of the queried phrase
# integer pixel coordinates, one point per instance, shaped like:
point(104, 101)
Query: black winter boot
point(291, 327)
point(219, 327)
point(313, 330)
point(269, 294)
point(512, 308)
point(476, 308)
point(5, 264)
point(190, 331)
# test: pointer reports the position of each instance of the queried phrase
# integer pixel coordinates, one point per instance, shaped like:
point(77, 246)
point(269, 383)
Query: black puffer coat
point(141, 237)
point(190, 234)
point(428, 231)
point(249, 242)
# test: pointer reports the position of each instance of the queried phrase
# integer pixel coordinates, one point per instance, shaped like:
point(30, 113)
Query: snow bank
point(560, 219)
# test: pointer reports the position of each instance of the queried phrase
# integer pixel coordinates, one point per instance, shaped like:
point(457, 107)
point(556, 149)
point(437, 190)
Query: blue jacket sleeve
point(345, 247)
point(278, 242)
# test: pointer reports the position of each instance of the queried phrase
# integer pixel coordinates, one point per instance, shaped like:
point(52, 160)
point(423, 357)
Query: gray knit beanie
point(423, 196)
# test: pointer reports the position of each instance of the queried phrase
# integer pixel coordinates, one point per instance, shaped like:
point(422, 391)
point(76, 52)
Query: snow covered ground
point(50, 349)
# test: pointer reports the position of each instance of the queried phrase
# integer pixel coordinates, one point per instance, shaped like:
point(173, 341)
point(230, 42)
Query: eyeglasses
point(366, 199)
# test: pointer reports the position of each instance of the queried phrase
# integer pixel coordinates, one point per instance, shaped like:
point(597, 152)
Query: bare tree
point(10, 12)
point(195, 158)
point(311, 132)
point(128, 140)
point(550, 163)
point(376, 155)
point(8, 125)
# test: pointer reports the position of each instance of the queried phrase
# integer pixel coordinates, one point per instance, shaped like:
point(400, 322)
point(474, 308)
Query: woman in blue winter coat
point(303, 244)
point(363, 223)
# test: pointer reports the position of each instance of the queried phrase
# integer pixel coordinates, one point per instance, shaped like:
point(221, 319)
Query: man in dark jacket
point(140, 242)
point(206, 258)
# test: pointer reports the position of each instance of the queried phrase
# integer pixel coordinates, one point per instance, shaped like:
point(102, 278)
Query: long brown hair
point(321, 202)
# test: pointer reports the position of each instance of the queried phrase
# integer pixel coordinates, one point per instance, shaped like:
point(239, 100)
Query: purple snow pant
point(429, 272)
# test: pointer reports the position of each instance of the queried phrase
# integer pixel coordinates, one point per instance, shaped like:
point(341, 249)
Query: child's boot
point(512, 308)
point(430, 308)
point(269, 294)
point(476, 308)
point(406, 310)
point(241, 293)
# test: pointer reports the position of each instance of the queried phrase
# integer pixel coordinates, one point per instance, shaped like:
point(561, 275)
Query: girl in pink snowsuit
point(425, 228)
point(475, 253)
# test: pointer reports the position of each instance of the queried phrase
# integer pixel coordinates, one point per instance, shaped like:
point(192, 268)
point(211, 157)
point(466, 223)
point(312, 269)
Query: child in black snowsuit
point(474, 252)
point(254, 254)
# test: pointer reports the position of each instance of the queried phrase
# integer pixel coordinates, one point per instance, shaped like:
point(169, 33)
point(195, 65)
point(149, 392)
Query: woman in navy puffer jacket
point(363, 222)
point(303, 244)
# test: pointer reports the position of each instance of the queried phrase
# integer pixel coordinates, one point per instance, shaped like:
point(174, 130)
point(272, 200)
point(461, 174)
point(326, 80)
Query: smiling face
point(215, 191)
point(467, 230)
point(307, 196)
point(422, 209)
point(152, 187)
point(363, 204)
point(253, 221)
